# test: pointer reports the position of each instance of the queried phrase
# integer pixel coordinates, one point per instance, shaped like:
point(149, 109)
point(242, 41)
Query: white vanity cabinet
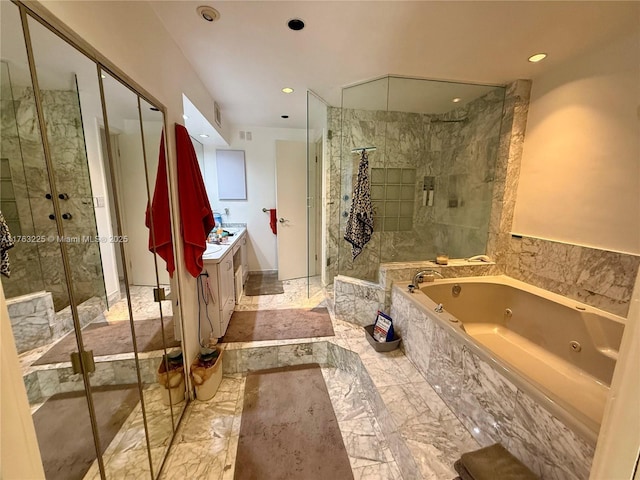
point(221, 263)
point(226, 291)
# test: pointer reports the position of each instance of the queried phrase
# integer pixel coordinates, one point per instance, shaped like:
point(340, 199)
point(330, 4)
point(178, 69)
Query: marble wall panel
point(596, 277)
point(32, 320)
point(358, 301)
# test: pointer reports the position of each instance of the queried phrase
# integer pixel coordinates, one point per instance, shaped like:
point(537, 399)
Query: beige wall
point(260, 163)
point(580, 173)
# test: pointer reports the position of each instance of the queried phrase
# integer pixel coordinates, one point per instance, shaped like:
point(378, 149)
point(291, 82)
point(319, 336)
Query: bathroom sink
point(212, 248)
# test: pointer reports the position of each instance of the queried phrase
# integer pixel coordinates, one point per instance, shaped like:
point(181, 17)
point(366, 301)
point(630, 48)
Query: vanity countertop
point(215, 252)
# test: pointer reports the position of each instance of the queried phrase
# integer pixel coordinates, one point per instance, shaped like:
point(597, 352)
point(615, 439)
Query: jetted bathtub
point(565, 349)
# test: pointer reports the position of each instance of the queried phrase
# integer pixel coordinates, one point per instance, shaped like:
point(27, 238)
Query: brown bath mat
point(113, 338)
point(263, 284)
point(250, 326)
point(64, 430)
point(289, 428)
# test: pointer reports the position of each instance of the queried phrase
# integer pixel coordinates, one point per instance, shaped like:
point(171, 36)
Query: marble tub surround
point(491, 407)
point(599, 278)
point(457, 267)
point(358, 301)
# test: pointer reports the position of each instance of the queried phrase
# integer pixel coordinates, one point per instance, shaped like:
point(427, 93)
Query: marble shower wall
point(461, 157)
point(26, 272)
point(37, 265)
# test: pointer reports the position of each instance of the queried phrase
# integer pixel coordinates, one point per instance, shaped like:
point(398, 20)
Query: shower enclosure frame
point(404, 122)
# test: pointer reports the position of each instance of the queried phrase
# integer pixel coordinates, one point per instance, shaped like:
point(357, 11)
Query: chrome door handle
point(281, 220)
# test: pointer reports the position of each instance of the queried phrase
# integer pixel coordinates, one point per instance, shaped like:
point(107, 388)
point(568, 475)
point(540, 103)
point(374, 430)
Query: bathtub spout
point(429, 274)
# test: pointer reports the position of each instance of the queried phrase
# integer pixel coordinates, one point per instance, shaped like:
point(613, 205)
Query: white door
point(291, 207)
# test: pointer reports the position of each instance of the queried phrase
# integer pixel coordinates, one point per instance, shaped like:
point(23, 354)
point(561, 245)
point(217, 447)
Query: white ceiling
point(249, 54)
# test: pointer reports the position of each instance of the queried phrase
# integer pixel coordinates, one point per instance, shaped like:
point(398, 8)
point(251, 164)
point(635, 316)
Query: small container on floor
point(381, 346)
point(206, 372)
point(172, 380)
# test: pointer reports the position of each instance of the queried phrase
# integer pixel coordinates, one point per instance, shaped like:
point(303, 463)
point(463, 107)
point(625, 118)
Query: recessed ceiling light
point(537, 57)
point(287, 90)
point(210, 14)
point(284, 116)
point(186, 117)
point(203, 135)
point(102, 75)
point(295, 24)
point(456, 99)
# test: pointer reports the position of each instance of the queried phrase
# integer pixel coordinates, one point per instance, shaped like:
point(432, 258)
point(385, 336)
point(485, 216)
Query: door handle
point(281, 220)
point(87, 358)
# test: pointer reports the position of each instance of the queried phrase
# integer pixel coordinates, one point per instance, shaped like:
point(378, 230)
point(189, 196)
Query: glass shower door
point(316, 153)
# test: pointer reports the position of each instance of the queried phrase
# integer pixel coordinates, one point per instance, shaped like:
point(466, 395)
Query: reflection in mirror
point(159, 241)
point(124, 142)
point(431, 172)
point(72, 111)
point(34, 285)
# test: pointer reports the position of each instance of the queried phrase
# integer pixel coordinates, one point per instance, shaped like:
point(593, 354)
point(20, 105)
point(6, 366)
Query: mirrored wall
point(90, 301)
point(431, 148)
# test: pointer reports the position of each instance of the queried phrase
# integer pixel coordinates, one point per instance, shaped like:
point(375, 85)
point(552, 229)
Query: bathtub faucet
point(419, 277)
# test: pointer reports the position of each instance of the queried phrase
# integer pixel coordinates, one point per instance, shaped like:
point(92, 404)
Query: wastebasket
point(206, 372)
point(171, 378)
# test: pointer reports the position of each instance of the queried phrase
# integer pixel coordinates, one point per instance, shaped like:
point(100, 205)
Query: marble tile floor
point(393, 423)
point(295, 296)
point(210, 430)
point(427, 437)
point(126, 456)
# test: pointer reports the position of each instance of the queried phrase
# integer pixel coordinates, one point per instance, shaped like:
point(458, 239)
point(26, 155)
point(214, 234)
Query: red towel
point(273, 222)
point(158, 211)
point(195, 211)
